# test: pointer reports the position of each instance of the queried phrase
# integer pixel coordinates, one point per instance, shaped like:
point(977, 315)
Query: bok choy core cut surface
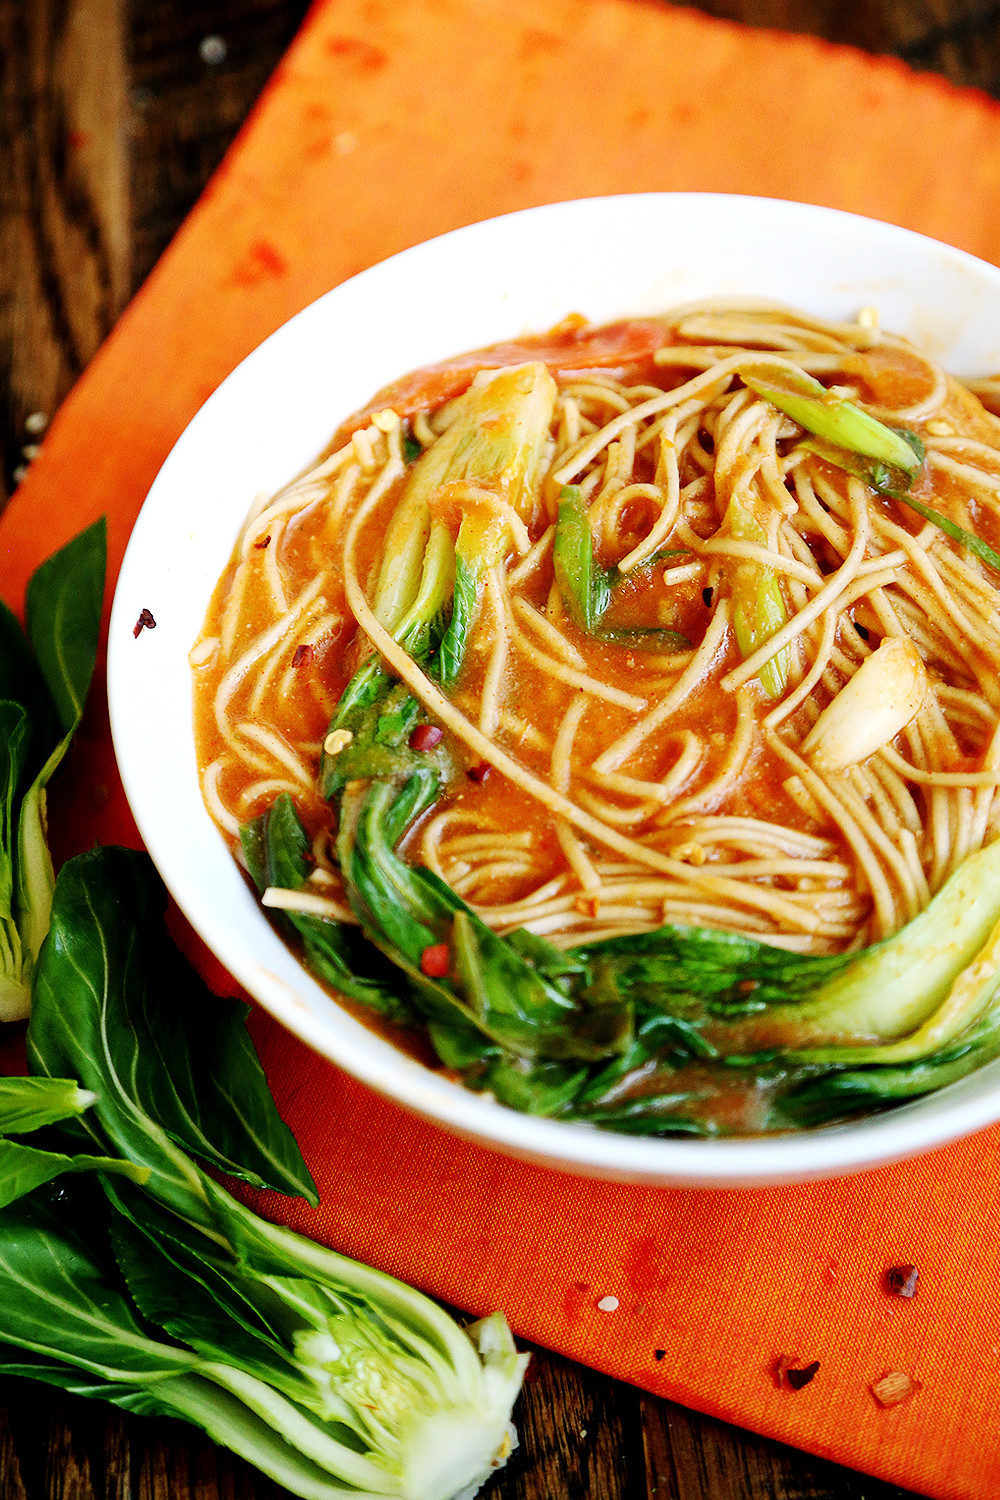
point(143, 1281)
point(630, 734)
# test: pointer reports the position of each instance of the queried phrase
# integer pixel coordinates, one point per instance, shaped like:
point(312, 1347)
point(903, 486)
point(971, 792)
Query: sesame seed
point(212, 50)
point(337, 740)
point(36, 423)
point(608, 1304)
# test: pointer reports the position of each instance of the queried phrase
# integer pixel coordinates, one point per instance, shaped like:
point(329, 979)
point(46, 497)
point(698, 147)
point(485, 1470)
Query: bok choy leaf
point(834, 420)
point(452, 523)
point(588, 588)
point(159, 1291)
point(649, 1032)
point(886, 458)
point(758, 604)
point(43, 686)
point(454, 519)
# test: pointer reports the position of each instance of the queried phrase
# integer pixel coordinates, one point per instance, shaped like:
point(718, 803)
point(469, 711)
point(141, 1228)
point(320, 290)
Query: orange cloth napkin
point(390, 121)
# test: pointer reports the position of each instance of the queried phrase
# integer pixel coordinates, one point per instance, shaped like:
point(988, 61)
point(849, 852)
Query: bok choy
point(455, 519)
point(652, 1032)
point(758, 604)
point(146, 1283)
point(462, 500)
point(588, 588)
point(45, 673)
point(886, 458)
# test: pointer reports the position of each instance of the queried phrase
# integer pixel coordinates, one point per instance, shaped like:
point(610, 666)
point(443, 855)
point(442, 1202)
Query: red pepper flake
point(425, 737)
point(144, 622)
point(706, 595)
point(265, 543)
point(478, 773)
point(659, 1353)
point(894, 1388)
point(901, 1281)
point(788, 1372)
point(435, 961)
point(532, 1370)
point(303, 654)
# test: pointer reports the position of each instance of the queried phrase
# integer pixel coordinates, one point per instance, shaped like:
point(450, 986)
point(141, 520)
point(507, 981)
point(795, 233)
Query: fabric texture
point(385, 124)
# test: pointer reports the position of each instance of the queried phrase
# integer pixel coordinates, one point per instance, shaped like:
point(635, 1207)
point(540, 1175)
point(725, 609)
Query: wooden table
point(157, 90)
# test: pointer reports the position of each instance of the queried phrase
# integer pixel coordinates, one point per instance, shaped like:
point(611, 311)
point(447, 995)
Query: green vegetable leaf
point(24, 1168)
point(117, 1007)
point(63, 610)
point(588, 589)
point(503, 991)
point(895, 483)
point(380, 742)
point(495, 443)
point(21, 682)
point(66, 1304)
point(350, 1383)
point(758, 604)
point(29, 1103)
point(838, 1092)
point(959, 534)
point(277, 852)
point(14, 739)
point(832, 418)
point(465, 604)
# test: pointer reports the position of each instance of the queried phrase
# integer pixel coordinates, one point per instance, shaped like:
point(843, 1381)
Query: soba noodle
point(608, 784)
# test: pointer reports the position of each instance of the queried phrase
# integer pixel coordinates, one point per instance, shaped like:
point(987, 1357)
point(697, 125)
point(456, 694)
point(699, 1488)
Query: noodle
point(632, 782)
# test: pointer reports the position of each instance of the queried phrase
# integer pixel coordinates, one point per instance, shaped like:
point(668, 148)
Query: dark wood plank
point(690, 1457)
point(861, 23)
point(580, 1436)
point(196, 70)
point(65, 241)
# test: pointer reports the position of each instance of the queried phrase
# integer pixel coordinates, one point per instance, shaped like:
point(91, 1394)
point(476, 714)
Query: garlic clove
point(870, 710)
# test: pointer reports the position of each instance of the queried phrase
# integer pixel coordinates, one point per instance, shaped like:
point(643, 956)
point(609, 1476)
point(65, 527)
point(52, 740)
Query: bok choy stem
point(177, 1298)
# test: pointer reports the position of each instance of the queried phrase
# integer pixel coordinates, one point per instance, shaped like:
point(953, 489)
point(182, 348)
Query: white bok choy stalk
point(158, 1290)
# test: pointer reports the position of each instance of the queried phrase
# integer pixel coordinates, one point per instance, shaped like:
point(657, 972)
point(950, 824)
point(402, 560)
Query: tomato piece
point(572, 345)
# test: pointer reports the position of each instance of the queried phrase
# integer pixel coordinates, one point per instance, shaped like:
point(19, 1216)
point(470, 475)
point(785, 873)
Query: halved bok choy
point(463, 501)
point(144, 1282)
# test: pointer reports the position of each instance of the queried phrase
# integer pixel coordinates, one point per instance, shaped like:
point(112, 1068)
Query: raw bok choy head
point(158, 1290)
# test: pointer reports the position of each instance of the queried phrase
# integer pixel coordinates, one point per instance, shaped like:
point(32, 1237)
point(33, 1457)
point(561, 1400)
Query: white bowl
point(606, 258)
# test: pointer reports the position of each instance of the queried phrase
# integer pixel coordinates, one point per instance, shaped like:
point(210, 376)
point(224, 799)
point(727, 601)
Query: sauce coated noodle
point(659, 760)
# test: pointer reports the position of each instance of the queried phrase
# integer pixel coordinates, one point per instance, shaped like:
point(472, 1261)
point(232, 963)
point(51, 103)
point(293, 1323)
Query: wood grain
point(111, 121)
point(184, 110)
point(64, 218)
